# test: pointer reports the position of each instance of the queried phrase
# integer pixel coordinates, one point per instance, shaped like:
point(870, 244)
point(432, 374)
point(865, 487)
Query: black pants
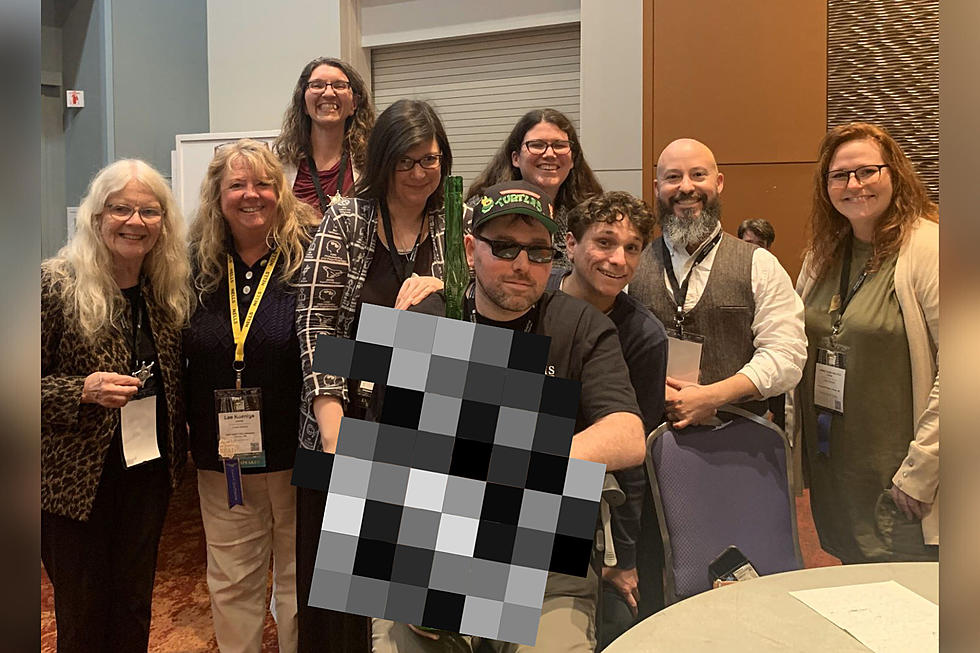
point(321, 631)
point(102, 569)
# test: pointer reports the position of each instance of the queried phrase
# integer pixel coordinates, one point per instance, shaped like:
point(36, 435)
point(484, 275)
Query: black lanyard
point(847, 294)
point(324, 203)
point(403, 270)
point(680, 290)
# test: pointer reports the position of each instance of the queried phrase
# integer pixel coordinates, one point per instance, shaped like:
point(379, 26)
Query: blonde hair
point(83, 267)
point(210, 237)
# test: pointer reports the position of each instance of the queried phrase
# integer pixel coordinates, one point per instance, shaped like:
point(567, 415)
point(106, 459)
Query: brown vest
point(723, 315)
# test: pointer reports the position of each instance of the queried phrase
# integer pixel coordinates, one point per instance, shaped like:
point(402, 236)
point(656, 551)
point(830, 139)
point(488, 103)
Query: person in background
point(757, 231)
point(385, 247)
point(870, 283)
point(728, 304)
point(606, 236)
point(249, 236)
point(113, 440)
point(543, 149)
point(323, 140)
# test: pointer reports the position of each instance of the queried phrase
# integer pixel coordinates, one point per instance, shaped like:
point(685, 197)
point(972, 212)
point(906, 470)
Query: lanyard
point(240, 331)
point(846, 295)
point(680, 290)
point(401, 269)
point(321, 197)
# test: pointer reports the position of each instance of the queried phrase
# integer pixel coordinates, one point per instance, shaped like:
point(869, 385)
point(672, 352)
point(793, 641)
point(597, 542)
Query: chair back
point(715, 486)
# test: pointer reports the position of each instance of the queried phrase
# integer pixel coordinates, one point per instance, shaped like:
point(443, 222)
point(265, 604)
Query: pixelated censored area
point(451, 511)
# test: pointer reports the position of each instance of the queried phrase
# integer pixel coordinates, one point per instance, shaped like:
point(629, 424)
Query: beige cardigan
point(917, 290)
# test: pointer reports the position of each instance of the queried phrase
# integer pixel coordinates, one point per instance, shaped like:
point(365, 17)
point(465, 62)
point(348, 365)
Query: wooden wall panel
point(778, 192)
point(746, 77)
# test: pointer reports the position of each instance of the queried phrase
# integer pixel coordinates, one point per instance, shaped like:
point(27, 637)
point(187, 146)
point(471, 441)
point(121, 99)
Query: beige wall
point(748, 78)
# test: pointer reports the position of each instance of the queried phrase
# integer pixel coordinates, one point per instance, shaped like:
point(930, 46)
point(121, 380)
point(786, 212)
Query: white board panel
point(190, 163)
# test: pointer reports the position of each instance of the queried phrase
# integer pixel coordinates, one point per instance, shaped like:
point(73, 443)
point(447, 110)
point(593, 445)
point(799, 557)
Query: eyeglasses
point(319, 86)
point(540, 147)
point(429, 162)
point(863, 175)
point(508, 251)
point(122, 213)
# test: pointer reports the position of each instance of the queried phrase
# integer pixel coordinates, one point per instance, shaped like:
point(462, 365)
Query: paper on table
point(886, 617)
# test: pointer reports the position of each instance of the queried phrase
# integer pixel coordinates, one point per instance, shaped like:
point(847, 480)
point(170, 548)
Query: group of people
point(156, 342)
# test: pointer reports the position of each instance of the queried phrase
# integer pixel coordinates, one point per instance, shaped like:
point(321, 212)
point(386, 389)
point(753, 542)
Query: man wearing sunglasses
point(511, 249)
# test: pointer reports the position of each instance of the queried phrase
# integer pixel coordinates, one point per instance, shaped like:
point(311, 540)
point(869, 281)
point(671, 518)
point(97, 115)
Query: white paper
point(139, 431)
point(240, 432)
point(828, 387)
point(886, 617)
point(683, 359)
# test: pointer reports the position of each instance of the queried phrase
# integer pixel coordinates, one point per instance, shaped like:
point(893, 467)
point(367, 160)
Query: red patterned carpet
point(181, 620)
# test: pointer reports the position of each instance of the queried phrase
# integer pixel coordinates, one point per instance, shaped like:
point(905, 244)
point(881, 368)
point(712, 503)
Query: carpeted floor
point(181, 612)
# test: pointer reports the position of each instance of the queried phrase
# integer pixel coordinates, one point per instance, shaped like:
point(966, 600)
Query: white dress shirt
point(778, 333)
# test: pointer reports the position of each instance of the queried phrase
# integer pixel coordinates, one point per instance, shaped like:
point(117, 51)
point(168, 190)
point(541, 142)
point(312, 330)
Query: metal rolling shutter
point(482, 84)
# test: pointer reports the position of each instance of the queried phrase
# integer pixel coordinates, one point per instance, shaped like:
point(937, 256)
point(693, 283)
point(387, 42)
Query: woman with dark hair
point(325, 131)
point(384, 246)
point(870, 284)
point(543, 148)
point(247, 242)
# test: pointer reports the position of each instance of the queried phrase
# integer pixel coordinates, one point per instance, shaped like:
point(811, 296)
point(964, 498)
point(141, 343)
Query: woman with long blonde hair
point(113, 444)
point(246, 245)
point(323, 141)
point(868, 403)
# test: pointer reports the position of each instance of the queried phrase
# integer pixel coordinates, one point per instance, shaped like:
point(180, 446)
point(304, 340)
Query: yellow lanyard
point(240, 331)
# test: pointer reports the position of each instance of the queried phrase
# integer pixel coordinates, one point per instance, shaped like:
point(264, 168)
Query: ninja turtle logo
point(486, 203)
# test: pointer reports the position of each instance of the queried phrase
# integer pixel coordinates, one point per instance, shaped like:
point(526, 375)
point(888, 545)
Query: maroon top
point(305, 191)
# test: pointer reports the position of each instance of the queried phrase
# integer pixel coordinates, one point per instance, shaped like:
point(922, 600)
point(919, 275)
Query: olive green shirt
point(855, 517)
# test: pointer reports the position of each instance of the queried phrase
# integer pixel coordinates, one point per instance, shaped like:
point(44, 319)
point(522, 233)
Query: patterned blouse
point(330, 281)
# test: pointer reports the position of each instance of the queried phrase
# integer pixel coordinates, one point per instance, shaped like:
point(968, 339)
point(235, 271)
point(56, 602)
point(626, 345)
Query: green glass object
point(456, 270)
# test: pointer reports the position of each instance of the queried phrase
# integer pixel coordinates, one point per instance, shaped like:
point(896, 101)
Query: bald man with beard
point(716, 293)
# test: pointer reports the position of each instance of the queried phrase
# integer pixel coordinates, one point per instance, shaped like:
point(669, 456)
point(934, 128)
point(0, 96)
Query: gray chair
point(715, 486)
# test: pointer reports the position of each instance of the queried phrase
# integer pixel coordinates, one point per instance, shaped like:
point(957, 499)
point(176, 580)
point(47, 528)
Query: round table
point(759, 614)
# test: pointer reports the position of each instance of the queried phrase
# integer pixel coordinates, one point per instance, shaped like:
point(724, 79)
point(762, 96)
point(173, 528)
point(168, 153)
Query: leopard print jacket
point(75, 436)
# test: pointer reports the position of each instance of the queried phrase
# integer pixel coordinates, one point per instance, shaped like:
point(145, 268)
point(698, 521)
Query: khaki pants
point(239, 542)
point(567, 625)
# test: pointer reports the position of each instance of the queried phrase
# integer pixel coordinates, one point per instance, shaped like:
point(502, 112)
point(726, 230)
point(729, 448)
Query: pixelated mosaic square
point(452, 509)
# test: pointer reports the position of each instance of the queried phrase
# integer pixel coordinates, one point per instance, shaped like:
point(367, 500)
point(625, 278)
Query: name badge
point(138, 422)
point(684, 356)
point(829, 375)
point(240, 426)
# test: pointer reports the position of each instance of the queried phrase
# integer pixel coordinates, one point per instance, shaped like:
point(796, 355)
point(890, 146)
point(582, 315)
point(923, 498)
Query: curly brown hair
point(910, 201)
point(611, 207)
point(293, 143)
point(581, 182)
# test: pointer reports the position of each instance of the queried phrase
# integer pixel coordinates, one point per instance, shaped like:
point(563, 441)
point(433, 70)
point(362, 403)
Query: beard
point(690, 228)
point(506, 299)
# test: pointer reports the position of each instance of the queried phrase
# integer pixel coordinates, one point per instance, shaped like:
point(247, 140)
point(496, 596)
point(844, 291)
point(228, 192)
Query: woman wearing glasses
point(247, 245)
point(543, 149)
point(384, 246)
point(113, 440)
point(324, 132)
point(868, 404)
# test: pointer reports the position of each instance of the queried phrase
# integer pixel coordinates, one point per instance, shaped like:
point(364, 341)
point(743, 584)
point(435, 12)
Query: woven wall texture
point(883, 67)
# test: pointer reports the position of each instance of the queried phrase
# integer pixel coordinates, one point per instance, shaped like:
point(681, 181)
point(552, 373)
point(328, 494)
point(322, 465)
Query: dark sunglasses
point(509, 251)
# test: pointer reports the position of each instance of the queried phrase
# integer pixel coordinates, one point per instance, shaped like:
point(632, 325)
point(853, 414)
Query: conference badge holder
point(828, 388)
point(239, 414)
point(684, 354)
point(138, 422)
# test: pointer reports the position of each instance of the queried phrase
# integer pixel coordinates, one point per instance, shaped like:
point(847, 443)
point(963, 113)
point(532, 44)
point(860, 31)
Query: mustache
point(693, 195)
point(520, 278)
